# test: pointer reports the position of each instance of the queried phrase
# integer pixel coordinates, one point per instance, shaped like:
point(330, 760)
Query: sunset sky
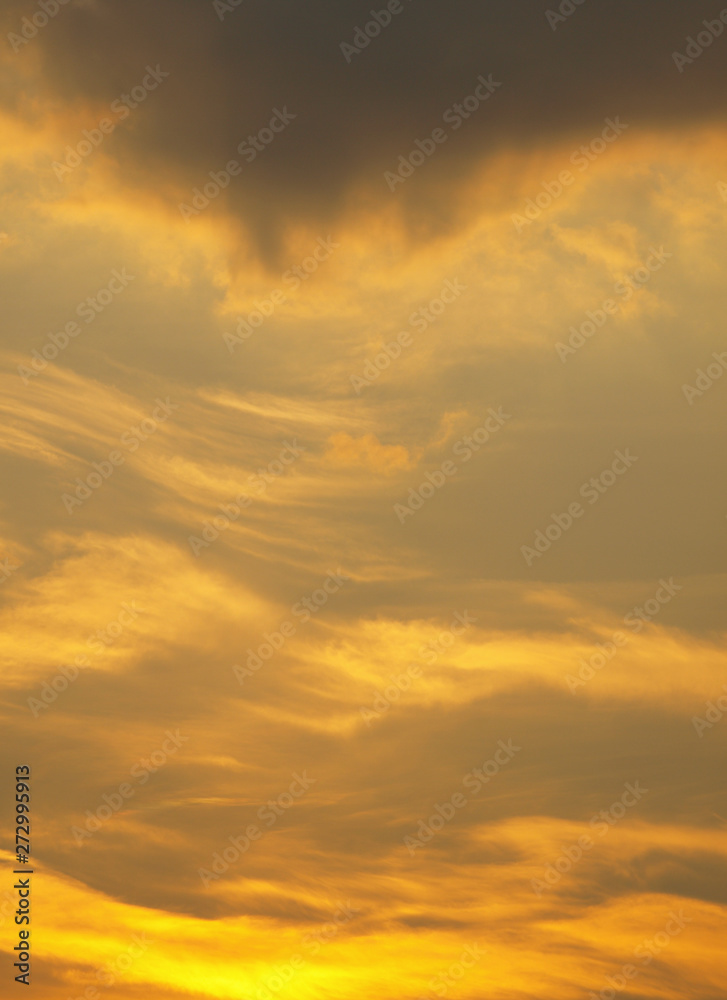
point(364, 509)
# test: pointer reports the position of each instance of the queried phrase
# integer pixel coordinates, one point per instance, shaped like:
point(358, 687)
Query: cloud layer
point(363, 539)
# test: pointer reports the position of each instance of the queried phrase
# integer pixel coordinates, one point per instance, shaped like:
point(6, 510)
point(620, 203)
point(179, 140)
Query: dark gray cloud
point(353, 120)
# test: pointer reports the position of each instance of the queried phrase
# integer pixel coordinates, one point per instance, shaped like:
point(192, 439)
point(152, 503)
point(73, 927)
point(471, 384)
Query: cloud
point(346, 451)
point(353, 120)
point(268, 470)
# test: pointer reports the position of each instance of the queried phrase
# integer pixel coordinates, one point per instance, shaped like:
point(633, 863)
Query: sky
point(363, 519)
